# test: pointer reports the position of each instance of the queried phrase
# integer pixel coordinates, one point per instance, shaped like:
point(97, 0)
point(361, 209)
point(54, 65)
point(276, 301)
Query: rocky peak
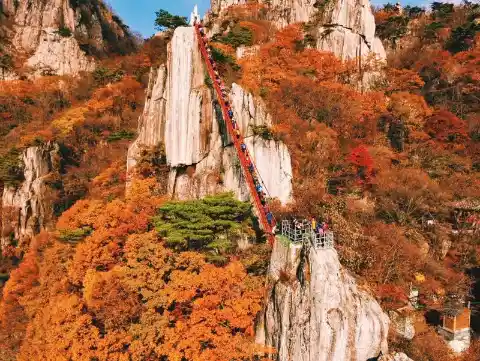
point(180, 112)
point(316, 312)
point(61, 34)
point(344, 27)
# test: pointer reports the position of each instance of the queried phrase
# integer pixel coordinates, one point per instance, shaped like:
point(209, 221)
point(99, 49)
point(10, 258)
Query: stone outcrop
point(403, 324)
point(344, 27)
point(179, 112)
point(348, 30)
point(27, 209)
point(151, 125)
point(316, 312)
point(59, 55)
point(62, 34)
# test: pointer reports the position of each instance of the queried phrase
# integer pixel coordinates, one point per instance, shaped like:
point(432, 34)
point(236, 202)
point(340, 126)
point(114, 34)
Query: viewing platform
point(301, 232)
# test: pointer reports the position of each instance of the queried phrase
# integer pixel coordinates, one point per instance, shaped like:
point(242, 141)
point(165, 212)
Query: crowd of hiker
point(318, 227)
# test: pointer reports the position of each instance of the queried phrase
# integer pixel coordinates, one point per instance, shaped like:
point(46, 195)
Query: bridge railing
point(301, 232)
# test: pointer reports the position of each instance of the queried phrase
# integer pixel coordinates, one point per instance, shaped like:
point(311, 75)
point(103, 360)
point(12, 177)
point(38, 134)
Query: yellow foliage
point(72, 117)
point(419, 277)
point(83, 213)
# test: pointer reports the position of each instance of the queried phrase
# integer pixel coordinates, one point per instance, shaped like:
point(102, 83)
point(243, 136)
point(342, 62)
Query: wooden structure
point(457, 322)
point(455, 328)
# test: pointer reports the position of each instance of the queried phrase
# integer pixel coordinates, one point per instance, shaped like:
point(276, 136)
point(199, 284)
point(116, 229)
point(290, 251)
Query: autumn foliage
point(121, 294)
point(129, 275)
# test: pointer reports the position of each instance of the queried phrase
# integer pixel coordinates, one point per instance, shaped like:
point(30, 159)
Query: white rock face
point(246, 51)
point(179, 112)
point(344, 27)
point(403, 325)
point(35, 23)
point(315, 311)
point(283, 12)
point(348, 30)
point(58, 54)
point(27, 209)
point(32, 17)
point(458, 341)
point(151, 125)
point(184, 100)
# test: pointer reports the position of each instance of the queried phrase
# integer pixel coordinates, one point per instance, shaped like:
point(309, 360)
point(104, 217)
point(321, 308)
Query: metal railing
point(323, 240)
point(301, 232)
point(296, 233)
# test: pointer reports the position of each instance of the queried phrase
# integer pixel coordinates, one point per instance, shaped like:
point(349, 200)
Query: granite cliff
point(344, 27)
point(179, 112)
point(315, 310)
point(27, 209)
point(60, 36)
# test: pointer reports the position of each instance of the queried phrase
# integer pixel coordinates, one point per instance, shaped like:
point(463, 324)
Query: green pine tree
point(209, 224)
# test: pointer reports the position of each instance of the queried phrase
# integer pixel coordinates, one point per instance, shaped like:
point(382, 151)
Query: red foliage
point(392, 297)
point(446, 127)
point(362, 160)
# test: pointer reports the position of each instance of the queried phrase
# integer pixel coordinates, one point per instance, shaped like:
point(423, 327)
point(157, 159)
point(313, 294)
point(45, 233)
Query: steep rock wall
point(35, 33)
point(26, 210)
point(189, 110)
point(344, 27)
point(179, 111)
point(61, 55)
point(151, 124)
point(347, 28)
point(316, 312)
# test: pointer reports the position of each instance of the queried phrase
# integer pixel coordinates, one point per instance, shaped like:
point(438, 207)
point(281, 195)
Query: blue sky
point(140, 14)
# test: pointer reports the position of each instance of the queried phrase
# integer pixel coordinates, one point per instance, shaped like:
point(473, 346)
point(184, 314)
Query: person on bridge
point(259, 189)
point(230, 113)
point(269, 218)
point(324, 226)
point(314, 223)
point(243, 146)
